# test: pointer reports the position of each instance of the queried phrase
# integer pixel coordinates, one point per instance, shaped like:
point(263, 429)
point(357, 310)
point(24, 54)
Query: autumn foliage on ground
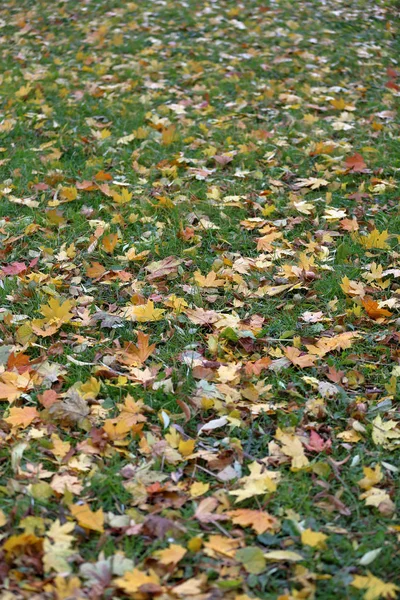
point(200, 281)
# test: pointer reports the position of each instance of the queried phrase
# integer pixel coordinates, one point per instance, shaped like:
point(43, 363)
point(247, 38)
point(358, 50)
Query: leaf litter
point(199, 238)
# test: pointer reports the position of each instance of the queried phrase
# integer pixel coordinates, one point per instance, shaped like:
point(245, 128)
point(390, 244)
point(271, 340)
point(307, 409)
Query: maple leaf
point(55, 315)
point(352, 288)
point(136, 355)
point(21, 417)
point(374, 587)
point(385, 433)
point(73, 410)
point(205, 511)
point(380, 500)
point(143, 313)
point(12, 385)
point(315, 539)
point(139, 581)
point(256, 519)
point(131, 411)
point(356, 163)
point(90, 389)
point(218, 545)
point(122, 198)
point(260, 481)
point(298, 358)
point(58, 548)
point(87, 518)
point(292, 447)
point(375, 239)
point(371, 477)
point(109, 242)
point(373, 309)
point(311, 182)
point(168, 135)
point(171, 555)
point(210, 280)
point(168, 267)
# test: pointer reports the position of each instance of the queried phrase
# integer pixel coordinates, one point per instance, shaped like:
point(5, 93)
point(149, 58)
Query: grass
point(143, 96)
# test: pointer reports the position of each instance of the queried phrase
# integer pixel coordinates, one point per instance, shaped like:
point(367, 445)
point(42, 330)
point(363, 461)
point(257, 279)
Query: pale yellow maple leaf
point(93, 520)
point(133, 580)
point(312, 182)
point(260, 481)
point(352, 288)
point(143, 313)
point(379, 499)
point(171, 555)
point(385, 433)
point(209, 281)
point(220, 545)
point(57, 547)
point(374, 587)
point(292, 447)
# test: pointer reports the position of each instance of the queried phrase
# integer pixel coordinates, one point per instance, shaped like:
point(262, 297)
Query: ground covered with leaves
point(200, 280)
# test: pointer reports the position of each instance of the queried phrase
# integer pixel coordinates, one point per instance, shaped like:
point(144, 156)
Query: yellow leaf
point(352, 288)
point(109, 242)
point(260, 481)
point(55, 313)
point(59, 448)
point(385, 433)
point(144, 312)
point(292, 447)
point(133, 580)
point(186, 447)
point(90, 389)
point(372, 477)
point(260, 521)
point(283, 555)
point(69, 193)
point(3, 518)
point(219, 545)
point(171, 555)
point(198, 489)
point(315, 539)
point(374, 587)
point(22, 417)
point(168, 135)
point(210, 280)
point(88, 519)
point(375, 239)
point(122, 198)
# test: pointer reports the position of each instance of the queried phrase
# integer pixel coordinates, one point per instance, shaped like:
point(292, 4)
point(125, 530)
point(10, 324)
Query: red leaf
point(14, 268)
point(356, 163)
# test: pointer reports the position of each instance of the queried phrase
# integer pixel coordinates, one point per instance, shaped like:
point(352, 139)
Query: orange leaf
point(168, 135)
point(372, 309)
point(299, 359)
point(102, 176)
point(88, 519)
point(109, 242)
point(95, 270)
point(171, 555)
point(355, 163)
point(260, 521)
point(22, 417)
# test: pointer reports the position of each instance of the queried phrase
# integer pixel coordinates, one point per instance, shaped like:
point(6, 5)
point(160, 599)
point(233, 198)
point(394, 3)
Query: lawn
point(200, 293)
